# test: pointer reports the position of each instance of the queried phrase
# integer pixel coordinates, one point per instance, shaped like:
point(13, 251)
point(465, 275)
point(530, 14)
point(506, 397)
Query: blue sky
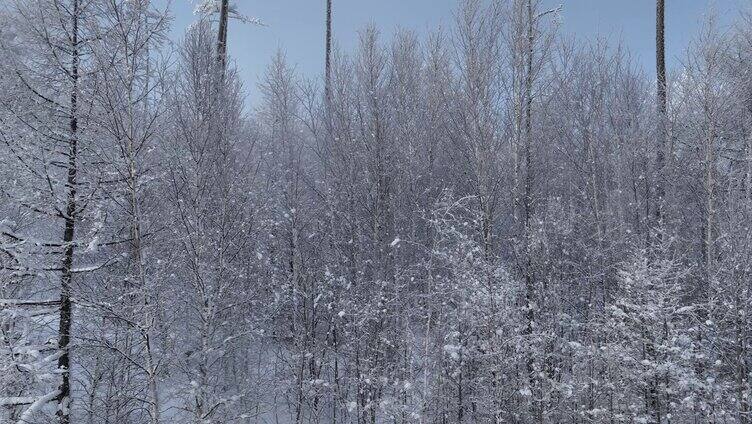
point(297, 26)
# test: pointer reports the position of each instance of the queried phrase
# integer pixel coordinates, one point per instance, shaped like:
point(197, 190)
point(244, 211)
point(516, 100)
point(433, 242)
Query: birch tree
point(52, 152)
point(212, 216)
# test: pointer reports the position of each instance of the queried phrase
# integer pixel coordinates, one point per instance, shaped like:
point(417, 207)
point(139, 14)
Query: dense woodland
point(494, 223)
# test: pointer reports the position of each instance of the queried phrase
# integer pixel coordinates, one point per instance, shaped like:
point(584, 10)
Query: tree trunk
point(530, 295)
point(66, 308)
point(137, 252)
point(328, 54)
point(708, 242)
point(660, 165)
point(222, 36)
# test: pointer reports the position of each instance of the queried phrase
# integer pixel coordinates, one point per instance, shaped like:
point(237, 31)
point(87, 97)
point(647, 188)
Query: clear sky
point(297, 26)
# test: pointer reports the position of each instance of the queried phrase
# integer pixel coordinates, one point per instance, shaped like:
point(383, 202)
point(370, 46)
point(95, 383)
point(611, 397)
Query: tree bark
point(222, 36)
point(661, 107)
point(529, 210)
point(328, 54)
point(66, 309)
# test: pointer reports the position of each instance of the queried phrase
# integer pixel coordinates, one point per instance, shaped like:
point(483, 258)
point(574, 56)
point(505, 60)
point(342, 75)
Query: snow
point(453, 351)
point(17, 400)
point(26, 417)
point(89, 268)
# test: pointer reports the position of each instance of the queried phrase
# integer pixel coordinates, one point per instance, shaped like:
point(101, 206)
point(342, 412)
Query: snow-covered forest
point(492, 223)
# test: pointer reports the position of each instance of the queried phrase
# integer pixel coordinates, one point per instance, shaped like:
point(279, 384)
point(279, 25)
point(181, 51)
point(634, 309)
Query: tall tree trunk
point(741, 357)
point(709, 224)
point(328, 55)
point(661, 107)
point(530, 295)
point(222, 36)
point(137, 252)
point(66, 309)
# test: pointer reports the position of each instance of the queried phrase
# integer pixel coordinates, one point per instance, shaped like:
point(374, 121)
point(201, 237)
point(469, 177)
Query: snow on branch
point(36, 405)
point(211, 7)
point(4, 303)
point(16, 400)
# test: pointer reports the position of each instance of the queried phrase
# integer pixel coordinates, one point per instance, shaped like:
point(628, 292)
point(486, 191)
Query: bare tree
point(328, 54)
point(661, 113)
